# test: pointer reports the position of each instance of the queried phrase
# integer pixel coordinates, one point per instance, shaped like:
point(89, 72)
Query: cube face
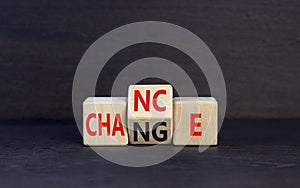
point(104, 121)
point(152, 131)
point(195, 121)
point(150, 114)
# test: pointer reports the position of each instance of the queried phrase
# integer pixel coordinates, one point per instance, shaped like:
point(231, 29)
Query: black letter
point(163, 132)
point(136, 126)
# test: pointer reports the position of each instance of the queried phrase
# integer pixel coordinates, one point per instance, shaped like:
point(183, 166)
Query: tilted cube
point(150, 114)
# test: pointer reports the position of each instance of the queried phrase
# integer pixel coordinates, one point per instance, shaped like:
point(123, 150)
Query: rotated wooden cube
point(150, 114)
point(195, 121)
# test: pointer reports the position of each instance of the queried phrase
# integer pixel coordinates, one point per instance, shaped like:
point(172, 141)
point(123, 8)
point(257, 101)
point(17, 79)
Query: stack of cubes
point(150, 115)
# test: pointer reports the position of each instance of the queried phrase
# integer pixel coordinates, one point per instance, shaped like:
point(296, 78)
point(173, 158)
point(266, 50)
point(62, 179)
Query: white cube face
point(195, 121)
point(147, 101)
point(104, 121)
point(150, 114)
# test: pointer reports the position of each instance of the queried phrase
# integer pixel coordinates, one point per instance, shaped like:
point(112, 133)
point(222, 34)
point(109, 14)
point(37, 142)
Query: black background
point(256, 43)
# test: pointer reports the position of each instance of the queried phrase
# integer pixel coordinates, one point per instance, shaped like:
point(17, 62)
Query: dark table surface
point(251, 153)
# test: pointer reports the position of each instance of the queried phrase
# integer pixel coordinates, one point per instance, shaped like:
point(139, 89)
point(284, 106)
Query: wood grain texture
point(195, 121)
point(110, 128)
point(256, 43)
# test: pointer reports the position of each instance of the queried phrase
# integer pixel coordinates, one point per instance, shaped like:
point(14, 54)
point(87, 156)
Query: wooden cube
point(150, 114)
point(104, 121)
point(195, 121)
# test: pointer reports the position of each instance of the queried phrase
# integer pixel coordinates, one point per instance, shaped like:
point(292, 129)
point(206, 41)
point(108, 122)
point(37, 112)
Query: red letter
point(120, 128)
point(104, 124)
point(155, 96)
point(137, 95)
point(194, 125)
point(87, 123)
